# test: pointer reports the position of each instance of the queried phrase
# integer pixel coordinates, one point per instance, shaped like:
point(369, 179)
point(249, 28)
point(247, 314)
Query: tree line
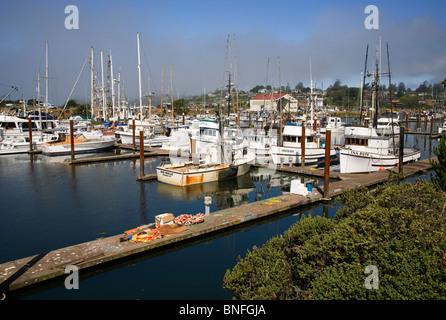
point(339, 94)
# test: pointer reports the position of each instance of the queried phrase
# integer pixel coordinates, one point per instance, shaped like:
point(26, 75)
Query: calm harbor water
point(46, 205)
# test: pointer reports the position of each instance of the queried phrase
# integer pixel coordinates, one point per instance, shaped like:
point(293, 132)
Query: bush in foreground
point(399, 228)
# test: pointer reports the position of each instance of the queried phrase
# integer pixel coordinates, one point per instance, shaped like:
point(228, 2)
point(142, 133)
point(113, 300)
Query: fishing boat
point(290, 152)
point(375, 146)
point(208, 169)
point(213, 158)
point(366, 151)
point(260, 143)
point(336, 126)
point(124, 134)
point(62, 146)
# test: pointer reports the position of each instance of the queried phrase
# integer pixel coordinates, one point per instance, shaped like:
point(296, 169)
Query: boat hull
point(156, 142)
point(81, 148)
point(352, 161)
point(291, 155)
point(190, 175)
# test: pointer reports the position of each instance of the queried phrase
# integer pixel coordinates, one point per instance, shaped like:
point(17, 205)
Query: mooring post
point(327, 164)
point(141, 153)
point(302, 145)
point(30, 129)
point(432, 125)
point(133, 132)
point(315, 125)
point(72, 139)
point(207, 204)
point(401, 151)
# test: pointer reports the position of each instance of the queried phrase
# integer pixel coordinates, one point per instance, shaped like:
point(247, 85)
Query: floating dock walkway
point(39, 268)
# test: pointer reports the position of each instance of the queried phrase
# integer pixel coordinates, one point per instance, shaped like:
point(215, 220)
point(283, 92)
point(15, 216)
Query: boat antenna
point(363, 83)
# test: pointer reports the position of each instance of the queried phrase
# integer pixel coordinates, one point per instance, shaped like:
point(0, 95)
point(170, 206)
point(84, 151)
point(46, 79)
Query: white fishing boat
point(62, 146)
point(375, 146)
point(213, 158)
point(290, 152)
point(366, 151)
point(124, 134)
point(16, 145)
point(336, 126)
point(207, 170)
point(260, 143)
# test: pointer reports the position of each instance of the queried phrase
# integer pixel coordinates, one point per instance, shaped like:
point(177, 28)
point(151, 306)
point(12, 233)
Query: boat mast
point(91, 83)
point(119, 92)
point(171, 99)
point(46, 77)
point(139, 77)
point(229, 95)
point(236, 87)
point(162, 98)
point(112, 86)
point(311, 94)
point(103, 87)
point(390, 98)
point(375, 91)
point(362, 86)
point(39, 105)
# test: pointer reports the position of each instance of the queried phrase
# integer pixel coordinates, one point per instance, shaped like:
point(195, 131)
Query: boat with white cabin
point(290, 152)
point(374, 146)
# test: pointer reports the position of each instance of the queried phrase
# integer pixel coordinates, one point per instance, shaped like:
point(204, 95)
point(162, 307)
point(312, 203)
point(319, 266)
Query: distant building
point(269, 102)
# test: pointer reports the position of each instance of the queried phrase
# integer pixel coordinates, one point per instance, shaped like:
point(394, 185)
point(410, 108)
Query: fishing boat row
point(215, 148)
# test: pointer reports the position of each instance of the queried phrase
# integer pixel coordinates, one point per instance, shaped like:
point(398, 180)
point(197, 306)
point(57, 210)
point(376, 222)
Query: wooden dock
point(39, 268)
point(148, 152)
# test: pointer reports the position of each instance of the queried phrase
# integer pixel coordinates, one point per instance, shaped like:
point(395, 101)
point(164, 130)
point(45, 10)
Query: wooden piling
point(302, 144)
point(141, 152)
point(327, 164)
point(30, 131)
point(72, 139)
point(133, 132)
point(400, 158)
point(432, 125)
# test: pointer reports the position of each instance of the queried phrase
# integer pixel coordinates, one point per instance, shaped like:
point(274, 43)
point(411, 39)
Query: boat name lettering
point(166, 173)
point(359, 153)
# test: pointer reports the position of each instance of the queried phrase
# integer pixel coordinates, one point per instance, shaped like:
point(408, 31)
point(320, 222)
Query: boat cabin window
point(290, 139)
point(25, 126)
point(8, 125)
point(357, 141)
point(208, 132)
point(299, 139)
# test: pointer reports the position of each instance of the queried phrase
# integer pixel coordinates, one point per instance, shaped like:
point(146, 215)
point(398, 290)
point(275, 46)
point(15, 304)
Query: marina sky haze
point(191, 38)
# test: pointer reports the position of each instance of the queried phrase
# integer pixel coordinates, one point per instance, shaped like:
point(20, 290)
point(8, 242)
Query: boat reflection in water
point(259, 184)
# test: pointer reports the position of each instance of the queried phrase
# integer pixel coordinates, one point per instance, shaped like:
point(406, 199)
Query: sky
point(195, 44)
